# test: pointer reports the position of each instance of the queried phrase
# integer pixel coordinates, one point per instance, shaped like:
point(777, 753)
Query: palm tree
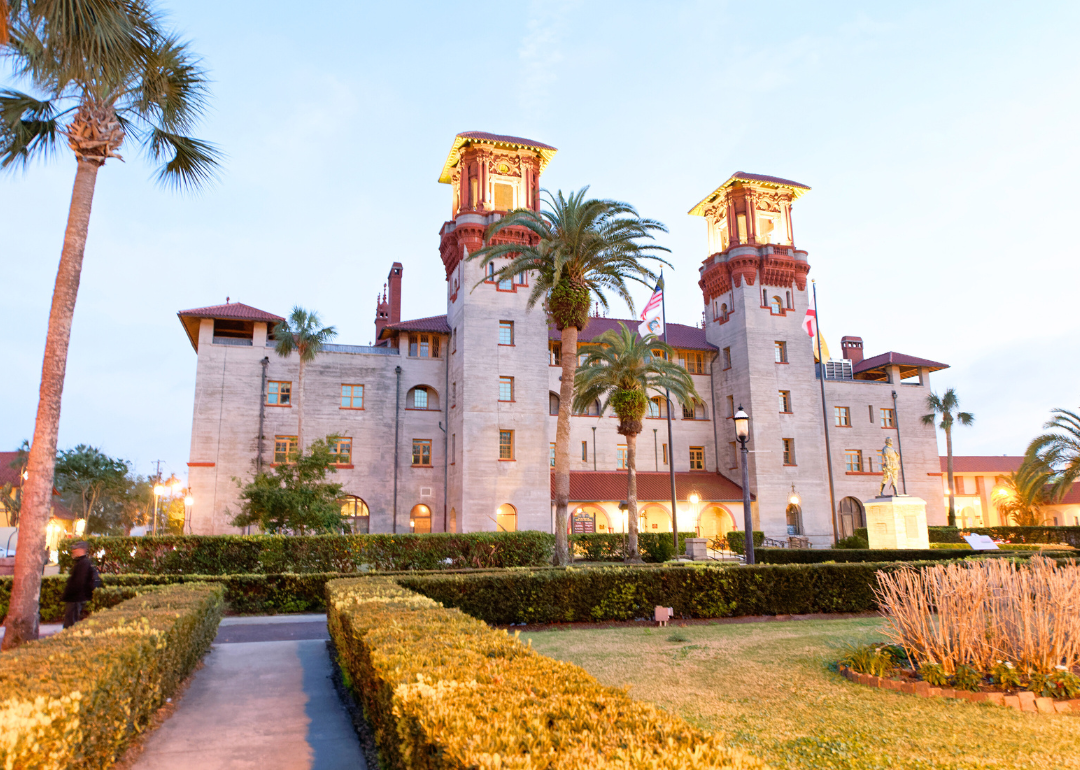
point(303, 332)
point(577, 249)
point(104, 70)
point(1023, 494)
point(946, 406)
point(621, 371)
point(1060, 451)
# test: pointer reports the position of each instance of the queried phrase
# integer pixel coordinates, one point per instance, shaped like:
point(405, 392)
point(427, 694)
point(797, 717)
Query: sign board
point(584, 523)
point(981, 543)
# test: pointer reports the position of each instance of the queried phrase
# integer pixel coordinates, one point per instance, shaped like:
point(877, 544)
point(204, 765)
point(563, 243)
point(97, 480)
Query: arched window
point(723, 311)
point(851, 516)
point(695, 411)
point(420, 519)
point(506, 518)
point(453, 519)
point(794, 519)
point(789, 300)
point(355, 515)
point(553, 404)
point(776, 307)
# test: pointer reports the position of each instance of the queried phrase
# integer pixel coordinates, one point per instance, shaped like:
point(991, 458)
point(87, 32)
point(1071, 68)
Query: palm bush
point(304, 333)
point(577, 249)
point(1060, 450)
point(946, 406)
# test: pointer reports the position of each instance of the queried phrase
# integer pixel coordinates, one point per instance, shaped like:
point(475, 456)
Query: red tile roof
point(236, 310)
point(896, 359)
point(743, 176)
point(504, 139)
point(982, 464)
point(1072, 497)
point(435, 323)
point(679, 336)
point(599, 486)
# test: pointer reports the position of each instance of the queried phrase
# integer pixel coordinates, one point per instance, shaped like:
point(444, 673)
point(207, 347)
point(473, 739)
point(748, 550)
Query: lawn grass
point(767, 688)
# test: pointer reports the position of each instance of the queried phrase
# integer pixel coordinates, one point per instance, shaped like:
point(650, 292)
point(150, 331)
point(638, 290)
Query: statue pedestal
point(897, 521)
point(697, 548)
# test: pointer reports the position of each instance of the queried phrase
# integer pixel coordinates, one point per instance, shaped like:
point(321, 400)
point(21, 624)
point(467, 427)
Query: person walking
point(80, 585)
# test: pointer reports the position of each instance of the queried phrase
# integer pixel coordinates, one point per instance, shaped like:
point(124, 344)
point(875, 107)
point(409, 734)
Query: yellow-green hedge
point(442, 690)
point(76, 699)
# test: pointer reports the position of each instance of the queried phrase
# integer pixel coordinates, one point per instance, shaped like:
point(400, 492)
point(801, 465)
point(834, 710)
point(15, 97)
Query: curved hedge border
point(849, 555)
point(77, 698)
point(276, 554)
point(442, 690)
point(1050, 535)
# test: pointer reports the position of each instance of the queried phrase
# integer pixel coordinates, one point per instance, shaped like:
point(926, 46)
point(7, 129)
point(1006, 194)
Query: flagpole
point(670, 441)
point(825, 413)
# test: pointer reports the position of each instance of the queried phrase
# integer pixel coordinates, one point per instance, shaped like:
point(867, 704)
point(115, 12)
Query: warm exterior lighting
point(80, 526)
point(159, 490)
point(189, 501)
point(176, 487)
point(25, 475)
point(794, 499)
point(694, 498)
point(742, 424)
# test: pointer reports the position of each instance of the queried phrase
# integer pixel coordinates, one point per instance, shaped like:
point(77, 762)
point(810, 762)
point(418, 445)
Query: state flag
point(652, 316)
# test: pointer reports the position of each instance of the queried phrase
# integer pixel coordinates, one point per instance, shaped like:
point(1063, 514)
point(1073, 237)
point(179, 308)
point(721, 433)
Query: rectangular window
point(733, 459)
point(552, 454)
point(780, 352)
point(785, 401)
point(284, 449)
point(278, 393)
point(731, 406)
point(693, 361)
point(504, 196)
point(555, 353)
point(687, 412)
point(522, 279)
point(853, 460)
point(506, 284)
point(342, 451)
point(455, 340)
point(584, 451)
point(453, 394)
point(453, 448)
point(352, 396)
point(436, 343)
point(620, 457)
point(842, 415)
point(506, 445)
point(789, 451)
point(888, 418)
point(424, 345)
point(506, 332)
point(665, 454)
point(506, 388)
point(697, 458)
point(420, 398)
point(727, 358)
point(491, 271)
point(421, 452)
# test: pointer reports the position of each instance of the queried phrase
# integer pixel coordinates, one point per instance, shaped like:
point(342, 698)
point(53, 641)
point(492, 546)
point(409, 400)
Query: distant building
point(450, 419)
point(61, 520)
point(977, 478)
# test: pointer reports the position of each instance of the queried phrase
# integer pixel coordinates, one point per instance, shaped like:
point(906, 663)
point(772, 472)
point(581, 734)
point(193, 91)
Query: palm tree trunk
point(21, 624)
point(952, 487)
point(562, 443)
point(300, 412)
point(633, 553)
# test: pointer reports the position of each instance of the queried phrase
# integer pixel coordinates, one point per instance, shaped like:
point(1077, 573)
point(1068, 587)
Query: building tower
point(498, 445)
point(755, 292)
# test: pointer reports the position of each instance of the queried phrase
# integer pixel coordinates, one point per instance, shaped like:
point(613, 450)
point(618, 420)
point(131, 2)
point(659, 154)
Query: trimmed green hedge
point(821, 555)
point(654, 547)
point(442, 691)
point(1050, 535)
point(277, 554)
point(77, 698)
point(625, 593)
point(737, 541)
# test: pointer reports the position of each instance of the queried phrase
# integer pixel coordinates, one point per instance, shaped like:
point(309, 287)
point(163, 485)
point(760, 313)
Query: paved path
point(263, 701)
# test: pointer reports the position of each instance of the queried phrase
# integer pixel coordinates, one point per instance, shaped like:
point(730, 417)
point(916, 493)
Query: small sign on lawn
point(981, 543)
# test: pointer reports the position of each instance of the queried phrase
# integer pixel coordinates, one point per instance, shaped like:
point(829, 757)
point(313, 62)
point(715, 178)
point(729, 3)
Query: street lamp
point(742, 432)
point(189, 501)
point(159, 490)
point(693, 499)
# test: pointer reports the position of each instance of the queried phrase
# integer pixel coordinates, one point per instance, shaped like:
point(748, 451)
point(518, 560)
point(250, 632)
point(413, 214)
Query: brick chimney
point(394, 279)
point(852, 348)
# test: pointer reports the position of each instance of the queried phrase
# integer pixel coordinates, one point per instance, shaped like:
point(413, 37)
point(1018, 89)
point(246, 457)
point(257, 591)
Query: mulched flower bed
point(1021, 700)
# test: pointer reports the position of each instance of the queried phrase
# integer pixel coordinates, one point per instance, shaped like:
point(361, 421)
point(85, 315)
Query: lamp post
point(159, 490)
point(742, 432)
point(693, 499)
point(189, 501)
point(793, 502)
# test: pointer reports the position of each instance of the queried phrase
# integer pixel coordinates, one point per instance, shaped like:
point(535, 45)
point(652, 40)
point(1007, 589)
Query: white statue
point(890, 467)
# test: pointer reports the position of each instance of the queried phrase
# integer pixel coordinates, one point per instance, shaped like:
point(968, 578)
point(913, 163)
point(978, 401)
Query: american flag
point(652, 321)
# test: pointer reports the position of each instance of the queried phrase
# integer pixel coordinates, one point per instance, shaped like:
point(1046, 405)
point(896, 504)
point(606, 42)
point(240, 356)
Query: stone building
point(979, 479)
point(449, 420)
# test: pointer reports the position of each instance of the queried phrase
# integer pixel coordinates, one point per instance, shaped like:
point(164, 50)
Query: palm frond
point(1059, 450)
point(172, 90)
point(28, 128)
point(193, 162)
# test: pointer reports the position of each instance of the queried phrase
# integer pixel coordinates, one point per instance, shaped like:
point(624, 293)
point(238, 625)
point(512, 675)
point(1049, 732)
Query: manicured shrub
point(442, 690)
point(846, 555)
point(852, 541)
point(77, 698)
point(1026, 535)
point(275, 554)
point(736, 541)
point(654, 547)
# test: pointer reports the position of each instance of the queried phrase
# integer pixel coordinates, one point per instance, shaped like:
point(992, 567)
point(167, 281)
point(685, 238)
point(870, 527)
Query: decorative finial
point(226, 300)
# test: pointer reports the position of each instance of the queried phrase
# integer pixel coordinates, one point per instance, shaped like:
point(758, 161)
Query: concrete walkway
point(263, 705)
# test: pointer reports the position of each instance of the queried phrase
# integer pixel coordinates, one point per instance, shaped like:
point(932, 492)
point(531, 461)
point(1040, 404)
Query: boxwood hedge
point(77, 698)
point(844, 555)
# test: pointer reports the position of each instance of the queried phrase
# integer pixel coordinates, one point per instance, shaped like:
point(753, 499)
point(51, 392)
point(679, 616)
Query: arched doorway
point(355, 515)
point(714, 521)
point(506, 518)
point(590, 518)
point(851, 516)
point(655, 518)
point(453, 519)
point(420, 520)
point(793, 514)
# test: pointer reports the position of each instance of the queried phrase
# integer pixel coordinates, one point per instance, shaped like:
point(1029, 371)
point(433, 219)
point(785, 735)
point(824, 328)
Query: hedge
point(277, 554)
point(654, 547)
point(626, 593)
point(736, 541)
point(77, 698)
point(820, 555)
point(1049, 535)
point(443, 690)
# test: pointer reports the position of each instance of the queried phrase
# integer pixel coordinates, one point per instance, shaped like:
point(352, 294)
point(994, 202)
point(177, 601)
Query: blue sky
point(939, 139)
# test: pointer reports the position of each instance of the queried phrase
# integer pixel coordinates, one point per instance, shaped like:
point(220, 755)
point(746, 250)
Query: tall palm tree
point(104, 70)
point(1060, 451)
point(1023, 494)
point(946, 406)
point(578, 248)
point(620, 372)
point(303, 332)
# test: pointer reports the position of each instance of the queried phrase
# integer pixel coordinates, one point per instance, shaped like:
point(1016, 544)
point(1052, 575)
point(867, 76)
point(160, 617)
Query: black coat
point(80, 583)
